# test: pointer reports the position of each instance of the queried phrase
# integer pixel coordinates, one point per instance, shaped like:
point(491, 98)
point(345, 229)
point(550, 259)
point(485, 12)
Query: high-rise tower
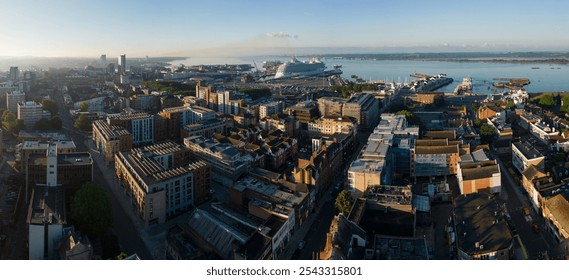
point(122, 64)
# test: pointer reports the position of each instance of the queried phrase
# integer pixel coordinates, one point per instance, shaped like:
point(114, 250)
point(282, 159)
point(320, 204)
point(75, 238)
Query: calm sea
point(543, 77)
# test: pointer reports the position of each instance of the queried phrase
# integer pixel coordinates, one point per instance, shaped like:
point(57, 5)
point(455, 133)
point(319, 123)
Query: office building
point(122, 64)
point(480, 231)
point(271, 108)
point(524, 155)
point(14, 73)
point(12, 100)
point(363, 107)
point(159, 180)
point(140, 126)
point(103, 61)
point(225, 160)
point(31, 112)
point(110, 139)
point(438, 157)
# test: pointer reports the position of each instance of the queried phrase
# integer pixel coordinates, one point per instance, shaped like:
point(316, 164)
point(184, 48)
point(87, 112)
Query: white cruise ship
point(296, 68)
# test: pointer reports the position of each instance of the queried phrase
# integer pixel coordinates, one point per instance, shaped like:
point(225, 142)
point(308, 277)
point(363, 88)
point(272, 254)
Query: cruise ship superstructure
point(296, 68)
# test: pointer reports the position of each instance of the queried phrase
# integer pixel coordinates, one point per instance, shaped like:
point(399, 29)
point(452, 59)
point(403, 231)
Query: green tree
point(50, 106)
point(91, 210)
point(11, 123)
point(411, 118)
point(43, 124)
point(84, 107)
point(547, 100)
point(559, 157)
point(510, 104)
point(56, 123)
point(121, 256)
point(82, 122)
point(565, 103)
point(344, 202)
point(478, 123)
point(474, 107)
point(487, 133)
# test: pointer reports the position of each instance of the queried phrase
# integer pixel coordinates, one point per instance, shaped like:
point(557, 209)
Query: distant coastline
point(513, 57)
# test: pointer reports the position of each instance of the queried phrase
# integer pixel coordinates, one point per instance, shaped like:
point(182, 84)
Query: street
point(128, 236)
point(532, 242)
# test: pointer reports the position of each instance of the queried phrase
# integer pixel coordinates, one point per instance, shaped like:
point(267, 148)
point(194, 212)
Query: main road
point(123, 227)
point(532, 243)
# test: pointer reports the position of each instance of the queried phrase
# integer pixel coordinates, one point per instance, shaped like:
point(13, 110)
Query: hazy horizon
point(222, 28)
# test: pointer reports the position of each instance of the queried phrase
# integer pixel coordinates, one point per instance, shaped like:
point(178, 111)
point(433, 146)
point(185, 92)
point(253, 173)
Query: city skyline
point(230, 29)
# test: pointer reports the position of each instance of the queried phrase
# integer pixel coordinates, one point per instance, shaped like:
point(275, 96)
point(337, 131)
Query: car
point(526, 211)
point(535, 227)
point(301, 245)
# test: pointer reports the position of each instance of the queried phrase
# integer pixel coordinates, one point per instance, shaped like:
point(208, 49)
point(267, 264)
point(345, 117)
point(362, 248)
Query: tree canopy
point(84, 107)
point(256, 93)
point(411, 118)
point(91, 210)
point(11, 123)
point(565, 103)
point(487, 133)
point(82, 122)
point(51, 124)
point(547, 100)
point(351, 87)
point(50, 106)
point(344, 202)
point(510, 104)
point(186, 89)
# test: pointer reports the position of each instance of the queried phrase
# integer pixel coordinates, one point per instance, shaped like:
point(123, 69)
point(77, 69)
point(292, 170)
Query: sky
point(80, 28)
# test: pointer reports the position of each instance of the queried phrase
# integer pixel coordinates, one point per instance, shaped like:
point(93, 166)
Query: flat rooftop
point(158, 149)
point(37, 145)
point(375, 150)
point(284, 195)
point(133, 116)
point(47, 206)
point(529, 151)
point(480, 225)
point(109, 131)
point(366, 166)
point(400, 248)
point(385, 194)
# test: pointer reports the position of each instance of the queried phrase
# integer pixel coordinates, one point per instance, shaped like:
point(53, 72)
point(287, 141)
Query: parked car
point(526, 211)
point(301, 245)
point(535, 227)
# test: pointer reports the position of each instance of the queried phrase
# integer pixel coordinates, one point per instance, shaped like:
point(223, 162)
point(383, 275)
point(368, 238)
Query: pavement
point(529, 244)
point(154, 236)
point(303, 230)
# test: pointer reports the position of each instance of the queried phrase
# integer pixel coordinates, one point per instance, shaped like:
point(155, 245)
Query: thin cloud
point(281, 35)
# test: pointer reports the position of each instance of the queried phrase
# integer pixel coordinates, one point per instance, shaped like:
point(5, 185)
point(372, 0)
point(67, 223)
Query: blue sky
point(234, 28)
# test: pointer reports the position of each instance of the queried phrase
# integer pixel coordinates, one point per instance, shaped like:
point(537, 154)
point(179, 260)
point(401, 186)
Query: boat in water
point(296, 68)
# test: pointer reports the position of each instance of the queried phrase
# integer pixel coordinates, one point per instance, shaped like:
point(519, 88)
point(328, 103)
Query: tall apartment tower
point(122, 64)
point(103, 61)
point(14, 73)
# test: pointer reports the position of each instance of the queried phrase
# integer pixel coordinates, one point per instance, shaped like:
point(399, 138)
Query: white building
point(46, 216)
point(31, 112)
point(12, 100)
point(332, 125)
point(122, 64)
point(542, 131)
point(271, 108)
point(223, 158)
point(524, 155)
